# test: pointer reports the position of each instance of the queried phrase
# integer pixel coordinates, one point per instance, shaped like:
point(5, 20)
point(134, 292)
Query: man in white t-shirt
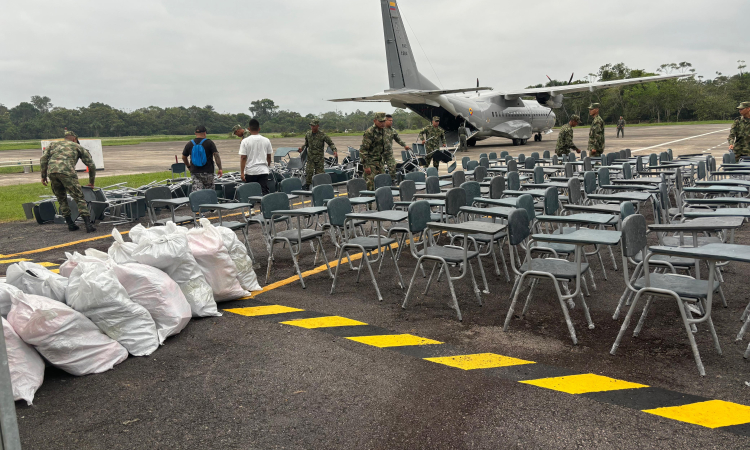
point(255, 151)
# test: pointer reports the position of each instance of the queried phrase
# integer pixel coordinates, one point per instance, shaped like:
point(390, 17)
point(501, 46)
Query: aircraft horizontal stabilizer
point(395, 94)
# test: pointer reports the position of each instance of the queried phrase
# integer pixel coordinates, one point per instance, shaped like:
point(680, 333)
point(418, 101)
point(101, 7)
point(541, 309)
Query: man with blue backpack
point(202, 152)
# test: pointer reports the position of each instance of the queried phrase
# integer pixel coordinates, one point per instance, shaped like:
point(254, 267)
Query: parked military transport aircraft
point(502, 114)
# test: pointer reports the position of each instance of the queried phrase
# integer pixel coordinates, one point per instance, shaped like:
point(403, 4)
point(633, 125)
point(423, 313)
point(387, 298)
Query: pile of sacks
point(104, 306)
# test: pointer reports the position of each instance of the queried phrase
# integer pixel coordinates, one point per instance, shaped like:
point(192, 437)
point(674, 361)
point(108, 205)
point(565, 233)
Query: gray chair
point(458, 178)
point(545, 154)
point(432, 171)
point(484, 162)
point(685, 290)
point(384, 202)
point(512, 166)
point(353, 189)
point(417, 177)
point(321, 178)
point(178, 169)
point(202, 197)
point(497, 186)
point(408, 189)
point(480, 173)
point(162, 193)
point(538, 175)
point(338, 208)
point(291, 184)
point(471, 165)
point(521, 158)
point(493, 156)
point(473, 192)
point(464, 161)
point(529, 163)
point(432, 186)
point(513, 181)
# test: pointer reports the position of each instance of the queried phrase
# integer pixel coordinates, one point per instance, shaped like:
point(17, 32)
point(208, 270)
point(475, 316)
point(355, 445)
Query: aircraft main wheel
point(523, 141)
point(540, 137)
point(471, 142)
point(516, 141)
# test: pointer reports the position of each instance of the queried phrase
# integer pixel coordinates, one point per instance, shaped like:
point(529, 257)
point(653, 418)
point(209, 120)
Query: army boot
point(71, 225)
point(89, 226)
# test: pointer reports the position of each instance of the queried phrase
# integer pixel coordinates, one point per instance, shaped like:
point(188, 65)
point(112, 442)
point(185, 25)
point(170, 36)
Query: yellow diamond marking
point(393, 340)
point(265, 310)
point(710, 414)
point(478, 361)
point(48, 264)
point(11, 261)
point(324, 322)
point(582, 384)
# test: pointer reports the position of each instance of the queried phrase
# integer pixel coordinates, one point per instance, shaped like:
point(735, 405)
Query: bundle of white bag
point(102, 306)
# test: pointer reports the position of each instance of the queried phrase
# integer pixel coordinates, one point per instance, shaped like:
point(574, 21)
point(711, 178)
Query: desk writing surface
point(582, 236)
point(720, 212)
point(701, 224)
point(471, 227)
point(716, 252)
point(392, 215)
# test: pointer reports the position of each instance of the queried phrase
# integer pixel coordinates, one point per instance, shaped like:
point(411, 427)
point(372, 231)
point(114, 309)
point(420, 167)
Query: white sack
point(98, 254)
point(34, 279)
point(212, 257)
point(242, 261)
point(73, 259)
point(139, 232)
point(121, 251)
point(64, 336)
point(171, 254)
point(6, 291)
point(93, 289)
point(159, 294)
point(25, 364)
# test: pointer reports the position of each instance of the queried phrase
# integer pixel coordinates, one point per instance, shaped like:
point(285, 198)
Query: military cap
point(436, 119)
point(594, 106)
point(70, 133)
point(380, 116)
point(744, 105)
point(201, 129)
point(576, 117)
point(236, 127)
point(314, 122)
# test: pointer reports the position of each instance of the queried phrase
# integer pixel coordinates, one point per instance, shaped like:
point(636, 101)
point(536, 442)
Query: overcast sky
point(226, 53)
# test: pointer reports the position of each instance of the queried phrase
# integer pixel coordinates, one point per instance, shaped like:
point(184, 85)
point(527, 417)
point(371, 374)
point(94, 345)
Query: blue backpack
point(198, 154)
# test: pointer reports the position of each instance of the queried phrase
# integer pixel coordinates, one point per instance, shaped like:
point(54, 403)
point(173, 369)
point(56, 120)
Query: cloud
point(227, 53)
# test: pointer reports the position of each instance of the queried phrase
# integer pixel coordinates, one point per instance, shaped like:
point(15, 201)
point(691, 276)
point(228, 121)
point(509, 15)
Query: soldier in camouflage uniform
point(739, 134)
point(596, 133)
point(565, 138)
point(621, 127)
point(462, 135)
point(59, 161)
point(240, 132)
point(391, 135)
point(432, 136)
point(374, 147)
point(314, 141)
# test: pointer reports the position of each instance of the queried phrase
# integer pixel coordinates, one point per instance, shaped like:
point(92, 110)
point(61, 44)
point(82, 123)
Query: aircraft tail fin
point(402, 67)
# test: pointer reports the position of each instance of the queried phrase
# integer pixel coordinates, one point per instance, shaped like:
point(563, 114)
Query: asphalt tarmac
point(243, 382)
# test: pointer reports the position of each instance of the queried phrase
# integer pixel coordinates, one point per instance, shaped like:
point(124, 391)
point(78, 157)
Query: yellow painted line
point(584, 383)
point(55, 270)
point(266, 310)
point(710, 414)
point(324, 322)
point(54, 247)
point(479, 361)
point(48, 264)
point(393, 340)
point(11, 261)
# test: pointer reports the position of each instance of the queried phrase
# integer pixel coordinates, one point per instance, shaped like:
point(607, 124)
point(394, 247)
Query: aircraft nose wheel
point(516, 141)
point(537, 138)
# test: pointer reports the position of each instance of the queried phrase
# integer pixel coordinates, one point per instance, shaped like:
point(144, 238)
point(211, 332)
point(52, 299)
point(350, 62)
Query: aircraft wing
point(400, 93)
point(570, 88)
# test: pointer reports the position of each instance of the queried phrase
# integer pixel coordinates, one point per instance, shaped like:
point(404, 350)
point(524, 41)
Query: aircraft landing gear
point(516, 142)
point(537, 137)
point(523, 141)
point(471, 142)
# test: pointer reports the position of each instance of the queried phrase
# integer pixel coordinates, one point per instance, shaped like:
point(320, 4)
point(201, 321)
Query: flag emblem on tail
point(471, 111)
point(392, 6)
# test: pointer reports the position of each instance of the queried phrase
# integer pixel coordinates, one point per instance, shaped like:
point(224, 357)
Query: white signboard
point(94, 146)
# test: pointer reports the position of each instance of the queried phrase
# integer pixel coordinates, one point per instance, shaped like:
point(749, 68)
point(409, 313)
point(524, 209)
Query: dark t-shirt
point(210, 148)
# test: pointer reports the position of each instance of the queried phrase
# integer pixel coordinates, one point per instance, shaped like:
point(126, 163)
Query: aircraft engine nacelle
point(545, 99)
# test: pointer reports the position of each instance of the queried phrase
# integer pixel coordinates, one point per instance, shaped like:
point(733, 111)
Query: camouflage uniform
point(621, 127)
point(596, 134)
point(245, 133)
point(391, 135)
point(462, 147)
point(739, 135)
point(434, 137)
point(202, 181)
point(316, 152)
point(372, 151)
point(59, 161)
point(565, 140)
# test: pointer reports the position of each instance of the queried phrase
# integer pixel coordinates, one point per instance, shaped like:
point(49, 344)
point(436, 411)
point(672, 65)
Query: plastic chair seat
point(370, 243)
point(293, 235)
point(567, 249)
point(450, 255)
point(486, 239)
point(559, 268)
point(674, 241)
point(674, 260)
point(680, 285)
point(177, 220)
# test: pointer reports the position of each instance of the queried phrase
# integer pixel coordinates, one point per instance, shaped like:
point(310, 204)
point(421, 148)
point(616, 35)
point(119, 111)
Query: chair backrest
point(627, 171)
point(702, 170)
point(354, 186)
point(538, 175)
point(603, 174)
point(484, 162)
point(322, 193)
point(157, 193)
point(628, 153)
point(633, 235)
point(464, 161)
point(504, 153)
point(589, 182)
point(404, 156)
point(514, 181)
point(733, 158)
point(419, 215)
point(432, 171)
point(455, 199)
point(555, 160)
point(529, 162)
point(473, 191)
point(711, 163)
point(726, 159)
point(248, 190)
point(622, 154)
point(497, 186)
point(526, 202)
point(321, 178)
point(178, 168)
point(482, 155)
point(574, 191)
point(407, 188)
point(383, 180)
point(479, 173)
point(493, 155)
point(670, 154)
point(545, 154)
point(417, 176)
point(458, 177)
point(626, 209)
point(518, 227)
point(664, 197)
point(291, 184)
point(565, 157)
point(384, 198)
point(653, 159)
point(571, 157)
point(639, 164)
point(471, 165)
point(535, 155)
point(432, 185)
point(278, 201)
point(521, 158)
point(551, 203)
point(584, 154)
point(568, 170)
point(512, 165)
point(611, 157)
point(663, 157)
point(587, 166)
point(295, 163)
point(202, 197)
point(338, 208)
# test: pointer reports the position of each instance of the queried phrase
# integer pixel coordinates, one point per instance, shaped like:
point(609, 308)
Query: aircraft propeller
point(569, 81)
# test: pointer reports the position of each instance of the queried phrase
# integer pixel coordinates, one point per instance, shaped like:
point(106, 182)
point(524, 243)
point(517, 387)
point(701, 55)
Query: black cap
point(200, 129)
